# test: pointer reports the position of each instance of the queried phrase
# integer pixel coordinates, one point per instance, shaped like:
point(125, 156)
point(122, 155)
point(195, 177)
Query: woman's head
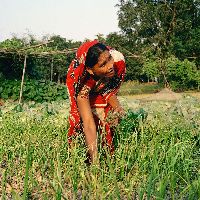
point(99, 61)
point(94, 53)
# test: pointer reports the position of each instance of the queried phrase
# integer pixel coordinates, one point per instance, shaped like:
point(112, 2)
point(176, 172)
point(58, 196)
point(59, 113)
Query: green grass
point(157, 160)
point(132, 87)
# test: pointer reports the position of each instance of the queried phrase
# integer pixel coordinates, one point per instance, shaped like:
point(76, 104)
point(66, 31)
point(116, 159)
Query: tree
point(162, 27)
point(182, 74)
point(48, 66)
point(11, 64)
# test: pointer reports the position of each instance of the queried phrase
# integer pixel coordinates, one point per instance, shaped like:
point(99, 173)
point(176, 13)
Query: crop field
point(157, 153)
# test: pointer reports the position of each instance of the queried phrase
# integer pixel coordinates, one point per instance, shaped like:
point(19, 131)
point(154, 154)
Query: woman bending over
point(93, 80)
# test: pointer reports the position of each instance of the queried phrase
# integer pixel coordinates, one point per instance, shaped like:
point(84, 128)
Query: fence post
point(22, 83)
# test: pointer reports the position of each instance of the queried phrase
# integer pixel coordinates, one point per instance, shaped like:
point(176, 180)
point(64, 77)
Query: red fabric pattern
point(77, 77)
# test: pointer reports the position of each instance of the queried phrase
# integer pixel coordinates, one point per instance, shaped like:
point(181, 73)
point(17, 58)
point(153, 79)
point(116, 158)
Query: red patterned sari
point(98, 91)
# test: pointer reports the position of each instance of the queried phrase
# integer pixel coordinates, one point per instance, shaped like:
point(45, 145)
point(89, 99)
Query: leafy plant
point(39, 91)
point(182, 75)
point(129, 124)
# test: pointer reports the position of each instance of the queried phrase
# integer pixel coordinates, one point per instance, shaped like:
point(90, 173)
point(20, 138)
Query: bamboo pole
point(37, 45)
point(4, 52)
point(22, 83)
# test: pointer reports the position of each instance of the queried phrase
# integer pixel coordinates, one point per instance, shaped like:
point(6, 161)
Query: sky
point(71, 19)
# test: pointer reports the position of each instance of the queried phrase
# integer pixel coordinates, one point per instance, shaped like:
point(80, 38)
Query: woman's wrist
point(118, 109)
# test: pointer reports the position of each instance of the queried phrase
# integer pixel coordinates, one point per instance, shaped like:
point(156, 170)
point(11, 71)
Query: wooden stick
point(37, 45)
point(44, 53)
point(22, 83)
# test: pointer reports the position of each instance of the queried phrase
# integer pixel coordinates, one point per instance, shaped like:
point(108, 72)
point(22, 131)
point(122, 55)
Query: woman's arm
point(88, 125)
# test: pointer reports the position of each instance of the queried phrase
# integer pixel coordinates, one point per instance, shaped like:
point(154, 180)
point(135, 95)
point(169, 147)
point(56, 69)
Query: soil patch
point(164, 95)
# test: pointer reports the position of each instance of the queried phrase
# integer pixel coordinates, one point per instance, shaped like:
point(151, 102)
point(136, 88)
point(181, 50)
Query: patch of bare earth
point(164, 95)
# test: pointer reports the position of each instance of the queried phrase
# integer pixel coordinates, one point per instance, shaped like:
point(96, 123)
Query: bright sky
point(71, 19)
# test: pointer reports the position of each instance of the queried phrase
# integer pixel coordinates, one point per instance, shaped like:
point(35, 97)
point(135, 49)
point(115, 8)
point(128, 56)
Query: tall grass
point(157, 160)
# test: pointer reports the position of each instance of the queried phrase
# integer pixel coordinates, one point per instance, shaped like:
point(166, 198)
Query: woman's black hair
point(94, 53)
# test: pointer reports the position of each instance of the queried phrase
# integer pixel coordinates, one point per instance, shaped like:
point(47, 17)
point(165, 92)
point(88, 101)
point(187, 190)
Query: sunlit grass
point(156, 159)
point(135, 88)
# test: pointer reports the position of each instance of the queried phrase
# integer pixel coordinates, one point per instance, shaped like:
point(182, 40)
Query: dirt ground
point(163, 95)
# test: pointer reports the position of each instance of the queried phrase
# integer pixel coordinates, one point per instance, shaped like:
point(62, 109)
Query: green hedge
point(39, 91)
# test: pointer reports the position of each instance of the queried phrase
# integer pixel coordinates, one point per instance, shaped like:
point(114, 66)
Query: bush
point(39, 91)
point(182, 75)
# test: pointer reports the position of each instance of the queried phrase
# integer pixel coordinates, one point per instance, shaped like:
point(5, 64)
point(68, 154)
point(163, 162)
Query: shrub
point(39, 91)
point(182, 75)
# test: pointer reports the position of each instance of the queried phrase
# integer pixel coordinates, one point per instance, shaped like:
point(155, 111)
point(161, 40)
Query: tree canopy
point(159, 29)
point(153, 33)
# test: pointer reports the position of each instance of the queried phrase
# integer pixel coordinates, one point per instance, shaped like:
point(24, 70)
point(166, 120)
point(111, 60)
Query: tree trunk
point(52, 70)
point(58, 78)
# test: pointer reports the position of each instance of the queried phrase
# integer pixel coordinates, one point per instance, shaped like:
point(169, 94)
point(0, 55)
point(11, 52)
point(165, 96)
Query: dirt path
point(163, 95)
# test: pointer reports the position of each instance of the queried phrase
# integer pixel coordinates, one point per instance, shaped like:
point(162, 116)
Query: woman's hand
point(115, 116)
point(117, 111)
point(120, 111)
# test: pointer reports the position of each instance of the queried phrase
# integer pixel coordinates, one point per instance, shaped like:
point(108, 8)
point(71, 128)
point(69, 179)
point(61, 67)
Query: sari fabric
point(80, 82)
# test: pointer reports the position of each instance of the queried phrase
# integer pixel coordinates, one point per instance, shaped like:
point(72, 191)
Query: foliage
point(151, 69)
point(129, 123)
point(163, 28)
point(151, 33)
point(182, 75)
point(42, 62)
point(38, 91)
point(155, 23)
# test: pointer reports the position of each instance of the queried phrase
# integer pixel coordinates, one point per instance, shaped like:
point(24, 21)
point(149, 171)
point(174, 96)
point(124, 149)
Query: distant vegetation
point(159, 39)
point(38, 91)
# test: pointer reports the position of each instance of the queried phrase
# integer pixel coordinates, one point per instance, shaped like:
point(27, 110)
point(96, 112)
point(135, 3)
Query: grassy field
point(136, 88)
point(155, 158)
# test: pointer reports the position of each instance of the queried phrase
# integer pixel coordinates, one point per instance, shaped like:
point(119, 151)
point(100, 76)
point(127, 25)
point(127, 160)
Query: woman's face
point(104, 66)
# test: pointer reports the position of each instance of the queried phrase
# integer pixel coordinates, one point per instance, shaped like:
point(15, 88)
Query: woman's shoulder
point(88, 80)
point(117, 56)
point(119, 62)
